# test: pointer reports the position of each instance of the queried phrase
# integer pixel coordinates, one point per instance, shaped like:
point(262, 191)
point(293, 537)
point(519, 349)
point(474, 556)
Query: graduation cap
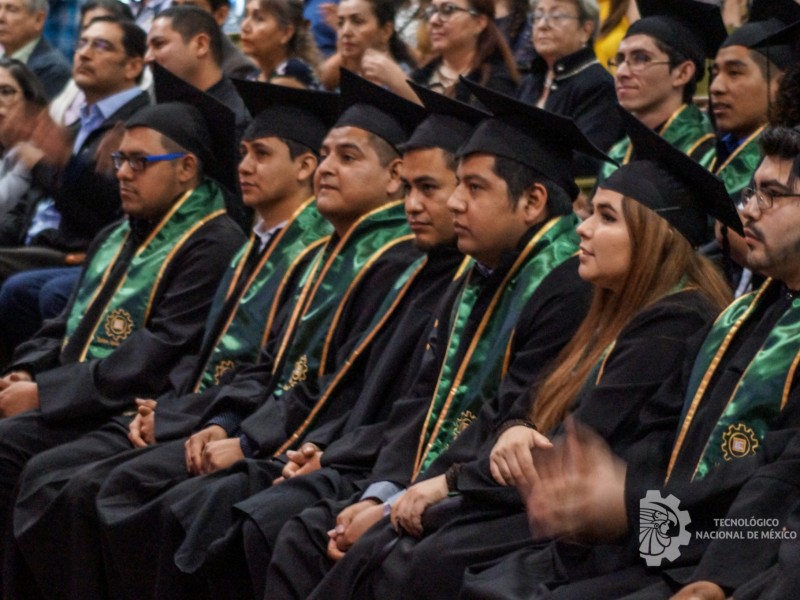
point(767, 19)
point(539, 139)
point(690, 27)
point(303, 116)
point(671, 184)
point(375, 109)
point(448, 125)
point(195, 121)
point(783, 46)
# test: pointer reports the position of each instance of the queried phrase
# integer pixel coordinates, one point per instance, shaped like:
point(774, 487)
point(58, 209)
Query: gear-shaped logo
point(662, 528)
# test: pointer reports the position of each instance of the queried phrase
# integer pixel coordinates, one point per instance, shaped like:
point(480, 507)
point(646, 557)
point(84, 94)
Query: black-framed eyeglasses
point(445, 10)
point(764, 199)
point(139, 163)
point(637, 61)
point(554, 19)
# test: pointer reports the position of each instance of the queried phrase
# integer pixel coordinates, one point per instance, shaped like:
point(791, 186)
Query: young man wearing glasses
point(656, 71)
point(144, 293)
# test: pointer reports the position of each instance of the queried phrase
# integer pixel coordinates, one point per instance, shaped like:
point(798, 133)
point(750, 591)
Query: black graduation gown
point(565, 571)
point(489, 520)
point(77, 397)
point(542, 329)
point(144, 491)
point(58, 480)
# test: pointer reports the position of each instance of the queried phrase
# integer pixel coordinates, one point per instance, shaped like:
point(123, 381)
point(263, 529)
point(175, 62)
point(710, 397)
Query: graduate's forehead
point(142, 139)
point(347, 137)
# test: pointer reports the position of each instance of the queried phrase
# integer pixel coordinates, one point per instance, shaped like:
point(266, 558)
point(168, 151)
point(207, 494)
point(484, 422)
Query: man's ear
point(202, 44)
point(394, 186)
point(533, 204)
point(306, 165)
point(683, 73)
point(187, 168)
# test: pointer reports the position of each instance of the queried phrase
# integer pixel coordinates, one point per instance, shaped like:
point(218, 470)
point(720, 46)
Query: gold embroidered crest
point(119, 325)
point(463, 421)
point(738, 441)
point(299, 373)
point(222, 367)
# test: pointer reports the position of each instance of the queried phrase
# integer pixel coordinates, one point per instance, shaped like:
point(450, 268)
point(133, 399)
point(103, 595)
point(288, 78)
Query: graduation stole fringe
point(687, 129)
point(129, 307)
point(461, 384)
point(761, 392)
point(336, 272)
point(249, 322)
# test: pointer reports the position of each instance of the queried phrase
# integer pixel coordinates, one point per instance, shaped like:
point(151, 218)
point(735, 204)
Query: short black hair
point(783, 143)
point(190, 21)
point(296, 148)
point(519, 178)
point(114, 8)
point(385, 151)
point(134, 39)
point(678, 58)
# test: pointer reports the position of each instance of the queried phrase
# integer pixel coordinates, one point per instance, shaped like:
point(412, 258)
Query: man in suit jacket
point(21, 26)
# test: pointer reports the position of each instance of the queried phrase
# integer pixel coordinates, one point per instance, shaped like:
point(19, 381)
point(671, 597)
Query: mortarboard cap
point(195, 121)
point(783, 44)
point(692, 28)
point(448, 125)
point(375, 109)
point(767, 18)
point(303, 116)
point(539, 139)
point(671, 184)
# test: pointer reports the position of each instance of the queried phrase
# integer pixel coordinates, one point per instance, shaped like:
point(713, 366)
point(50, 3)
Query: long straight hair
point(660, 259)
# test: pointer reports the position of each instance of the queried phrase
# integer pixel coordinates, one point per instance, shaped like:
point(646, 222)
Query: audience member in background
point(368, 44)
point(234, 64)
point(512, 18)
point(615, 18)
point(80, 195)
point(187, 41)
point(65, 109)
point(466, 42)
point(275, 36)
point(566, 77)
point(21, 26)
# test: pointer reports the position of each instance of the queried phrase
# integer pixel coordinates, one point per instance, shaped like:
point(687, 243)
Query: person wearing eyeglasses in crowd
point(465, 41)
point(656, 70)
point(566, 77)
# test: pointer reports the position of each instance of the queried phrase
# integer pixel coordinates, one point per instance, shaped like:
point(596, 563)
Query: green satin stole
point(737, 171)
point(129, 307)
point(329, 282)
point(249, 322)
point(478, 373)
point(686, 129)
point(760, 393)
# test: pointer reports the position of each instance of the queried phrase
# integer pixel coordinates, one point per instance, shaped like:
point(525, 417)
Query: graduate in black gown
point(143, 295)
point(250, 310)
point(505, 169)
point(350, 295)
point(740, 406)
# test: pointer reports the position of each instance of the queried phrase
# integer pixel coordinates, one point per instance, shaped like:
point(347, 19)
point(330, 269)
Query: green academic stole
point(387, 309)
point(687, 129)
point(250, 321)
point(737, 171)
point(129, 307)
point(455, 400)
point(329, 282)
point(760, 393)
